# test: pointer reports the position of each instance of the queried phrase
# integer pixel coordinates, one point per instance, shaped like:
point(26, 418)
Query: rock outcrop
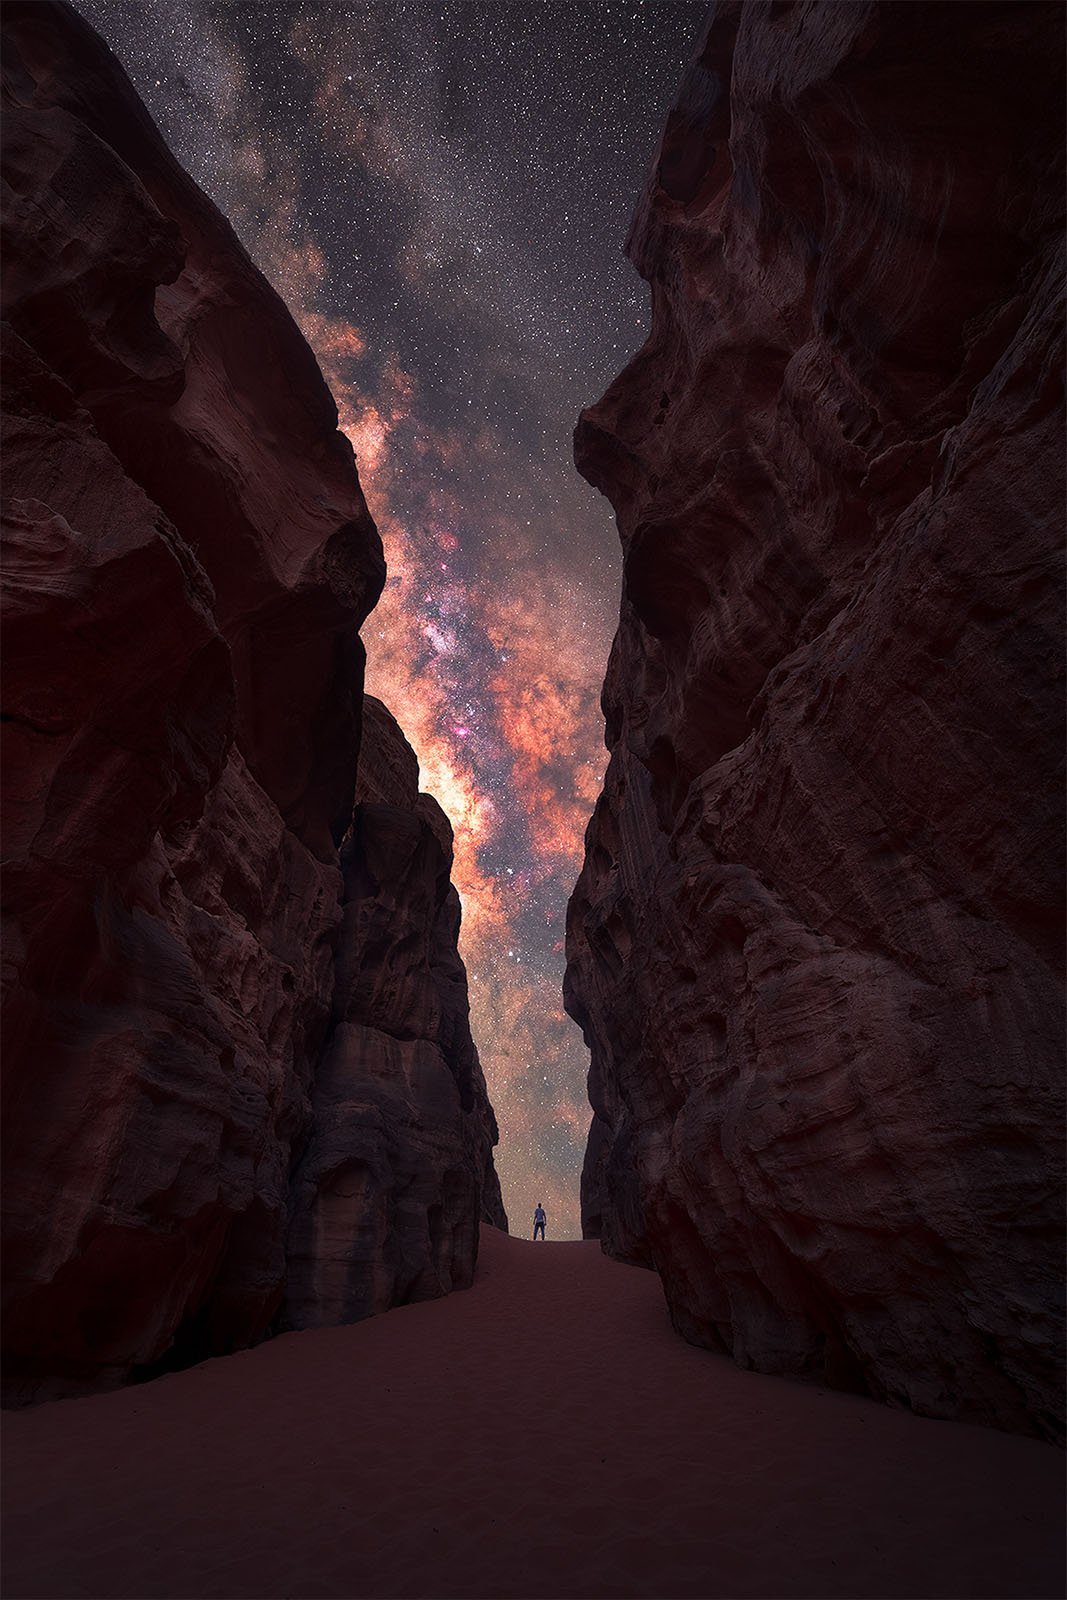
point(187, 559)
point(815, 947)
point(389, 1192)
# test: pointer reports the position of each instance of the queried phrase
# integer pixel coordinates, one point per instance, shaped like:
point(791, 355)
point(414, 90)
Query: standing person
point(539, 1221)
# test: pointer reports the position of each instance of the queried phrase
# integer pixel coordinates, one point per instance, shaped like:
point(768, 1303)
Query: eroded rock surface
point(398, 1170)
point(187, 559)
point(815, 947)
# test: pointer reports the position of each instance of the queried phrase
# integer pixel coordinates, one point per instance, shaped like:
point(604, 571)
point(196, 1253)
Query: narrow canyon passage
point(545, 1433)
point(464, 294)
point(305, 621)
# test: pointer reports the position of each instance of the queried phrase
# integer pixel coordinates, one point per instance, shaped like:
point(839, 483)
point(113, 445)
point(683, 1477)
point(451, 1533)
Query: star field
point(440, 192)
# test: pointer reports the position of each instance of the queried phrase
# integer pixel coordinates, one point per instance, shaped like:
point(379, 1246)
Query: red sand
point(545, 1434)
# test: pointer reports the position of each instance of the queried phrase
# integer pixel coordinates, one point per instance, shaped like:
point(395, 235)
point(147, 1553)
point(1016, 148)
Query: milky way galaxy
point(440, 193)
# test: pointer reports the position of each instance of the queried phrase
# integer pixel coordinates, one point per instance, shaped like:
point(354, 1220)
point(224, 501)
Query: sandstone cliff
point(187, 560)
point(398, 1171)
point(815, 946)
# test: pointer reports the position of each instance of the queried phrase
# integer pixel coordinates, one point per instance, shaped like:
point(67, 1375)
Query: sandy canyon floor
point(544, 1434)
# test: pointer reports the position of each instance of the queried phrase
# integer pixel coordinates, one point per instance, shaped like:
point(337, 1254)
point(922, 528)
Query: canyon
point(240, 1091)
point(816, 945)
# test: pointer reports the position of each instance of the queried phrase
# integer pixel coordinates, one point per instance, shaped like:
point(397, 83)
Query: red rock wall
point(397, 1170)
point(187, 559)
point(815, 946)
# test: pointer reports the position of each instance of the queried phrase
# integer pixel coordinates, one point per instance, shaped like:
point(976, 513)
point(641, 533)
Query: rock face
point(187, 559)
point(390, 1189)
point(815, 946)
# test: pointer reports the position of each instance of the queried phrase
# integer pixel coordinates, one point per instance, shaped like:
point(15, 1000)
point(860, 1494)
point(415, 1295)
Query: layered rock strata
point(187, 560)
point(815, 947)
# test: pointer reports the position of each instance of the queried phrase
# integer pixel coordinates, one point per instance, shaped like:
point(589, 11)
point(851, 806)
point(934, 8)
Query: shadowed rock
point(188, 557)
point(815, 946)
point(398, 1169)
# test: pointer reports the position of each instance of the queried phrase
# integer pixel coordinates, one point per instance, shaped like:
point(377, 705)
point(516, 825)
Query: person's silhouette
point(539, 1221)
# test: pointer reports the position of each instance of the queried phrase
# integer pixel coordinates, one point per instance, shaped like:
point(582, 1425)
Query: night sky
point(440, 192)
